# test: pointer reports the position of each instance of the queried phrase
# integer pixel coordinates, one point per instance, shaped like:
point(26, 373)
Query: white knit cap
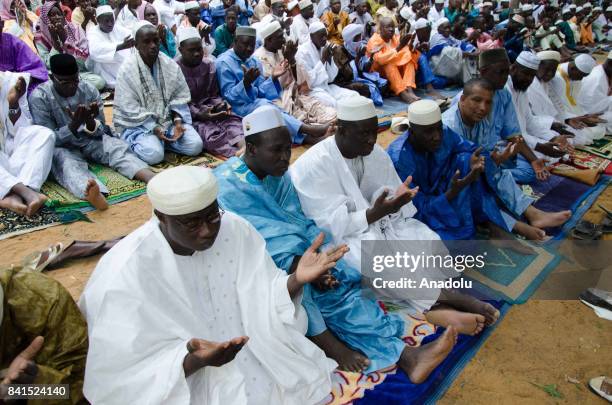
point(439, 2)
point(292, 4)
point(421, 23)
point(104, 10)
point(528, 59)
point(486, 4)
point(572, 6)
point(405, 13)
point(549, 55)
point(138, 25)
point(191, 5)
point(276, 1)
point(304, 3)
point(356, 108)
point(526, 7)
point(424, 112)
point(609, 9)
point(578, 9)
point(182, 190)
point(597, 8)
point(587, 5)
point(585, 63)
point(185, 33)
point(269, 29)
point(316, 27)
point(246, 31)
point(519, 19)
point(262, 119)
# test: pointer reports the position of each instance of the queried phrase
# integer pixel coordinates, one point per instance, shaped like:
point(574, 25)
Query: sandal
point(80, 249)
point(599, 298)
point(596, 385)
point(38, 261)
point(586, 230)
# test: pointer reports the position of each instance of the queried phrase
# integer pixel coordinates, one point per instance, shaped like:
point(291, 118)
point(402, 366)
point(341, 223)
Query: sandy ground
point(537, 343)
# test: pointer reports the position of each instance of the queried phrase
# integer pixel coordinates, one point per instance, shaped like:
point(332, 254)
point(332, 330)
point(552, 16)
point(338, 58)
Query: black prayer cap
point(492, 56)
point(63, 64)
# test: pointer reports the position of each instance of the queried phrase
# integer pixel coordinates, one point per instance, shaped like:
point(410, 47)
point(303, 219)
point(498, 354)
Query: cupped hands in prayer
point(203, 353)
point(384, 205)
point(313, 264)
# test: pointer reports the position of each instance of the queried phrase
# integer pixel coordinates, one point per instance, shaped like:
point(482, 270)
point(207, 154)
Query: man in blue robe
point(258, 188)
point(500, 125)
point(243, 86)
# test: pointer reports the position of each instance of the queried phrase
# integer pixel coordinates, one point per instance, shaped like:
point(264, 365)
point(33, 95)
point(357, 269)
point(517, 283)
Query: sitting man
point(459, 184)
point(43, 336)
point(500, 125)
point(226, 32)
point(549, 139)
point(594, 96)
point(299, 27)
point(277, 51)
point(71, 108)
point(26, 150)
point(17, 56)
point(347, 184)
point(151, 111)
point(198, 310)
point(317, 69)
point(395, 59)
point(220, 130)
point(243, 86)
point(335, 19)
point(258, 188)
point(548, 98)
point(109, 45)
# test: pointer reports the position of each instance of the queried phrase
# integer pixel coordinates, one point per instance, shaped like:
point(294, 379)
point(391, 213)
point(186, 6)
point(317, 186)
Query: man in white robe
point(596, 94)
point(347, 184)
point(299, 26)
point(547, 138)
point(194, 310)
point(547, 99)
point(168, 10)
point(26, 150)
point(130, 14)
point(436, 12)
point(109, 45)
point(316, 67)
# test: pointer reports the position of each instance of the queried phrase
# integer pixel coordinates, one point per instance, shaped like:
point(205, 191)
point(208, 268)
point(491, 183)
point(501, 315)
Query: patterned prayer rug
point(12, 224)
point(120, 187)
point(601, 147)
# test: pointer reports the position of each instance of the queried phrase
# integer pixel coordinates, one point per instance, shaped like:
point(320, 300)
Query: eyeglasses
point(194, 224)
point(68, 82)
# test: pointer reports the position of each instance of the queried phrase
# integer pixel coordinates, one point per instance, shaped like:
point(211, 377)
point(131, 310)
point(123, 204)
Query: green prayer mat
point(12, 224)
point(120, 187)
point(601, 147)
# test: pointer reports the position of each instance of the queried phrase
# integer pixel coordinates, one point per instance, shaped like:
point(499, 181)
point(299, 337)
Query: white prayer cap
point(528, 59)
point(304, 3)
point(578, 9)
point(566, 10)
point(421, 23)
point(269, 29)
point(292, 4)
point(191, 5)
point(527, 7)
point(104, 10)
point(519, 19)
point(182, 190)
point(610, 54)
point(572, 6)
point(405, 13)
point(487, 4)
point(597, 8)
point(356, 108)
point(246, 31)
point(585, 63)
point(587, 5)
point(138, 25)
point(262, 119)
point(316, 27)
point(549, 55)
point(185, 33)
point(439, 2)
point(609, 9)
point(441, 21)
point(276, 1)
point(424, 112)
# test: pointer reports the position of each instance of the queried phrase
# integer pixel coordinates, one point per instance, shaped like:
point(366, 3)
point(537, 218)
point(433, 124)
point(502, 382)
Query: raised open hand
point(314, 264)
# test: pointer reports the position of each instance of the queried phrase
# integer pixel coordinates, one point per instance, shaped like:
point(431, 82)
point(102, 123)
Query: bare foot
point(419, 362)
point(531, 232)
point(94, 196)
point(433, 93)
point(464, 322)
point(468, 303)
point(14, 203)
point(34, 201)
point(506, 240)
point(347, 359)
point(408, 96)
point(541, 219)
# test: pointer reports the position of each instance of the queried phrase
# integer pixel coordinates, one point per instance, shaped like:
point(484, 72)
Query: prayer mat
point(601, 147)
point(120, 187)
point(583, 167)
point(392, 386)
point(12, 224)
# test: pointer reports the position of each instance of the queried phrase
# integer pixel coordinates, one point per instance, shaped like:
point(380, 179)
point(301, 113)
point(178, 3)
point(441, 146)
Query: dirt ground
point(540, 342)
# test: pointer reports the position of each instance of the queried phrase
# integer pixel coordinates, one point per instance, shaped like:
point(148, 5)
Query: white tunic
point(143, 304)
point(26, 150)
point(330, 194)
point(534, 128)
point(166, 10)
point(594, 96)
point(545, 100)
point(298, 32)
point(319, 76)
point(103, 54)
point(126, 19)
point(434, 15)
